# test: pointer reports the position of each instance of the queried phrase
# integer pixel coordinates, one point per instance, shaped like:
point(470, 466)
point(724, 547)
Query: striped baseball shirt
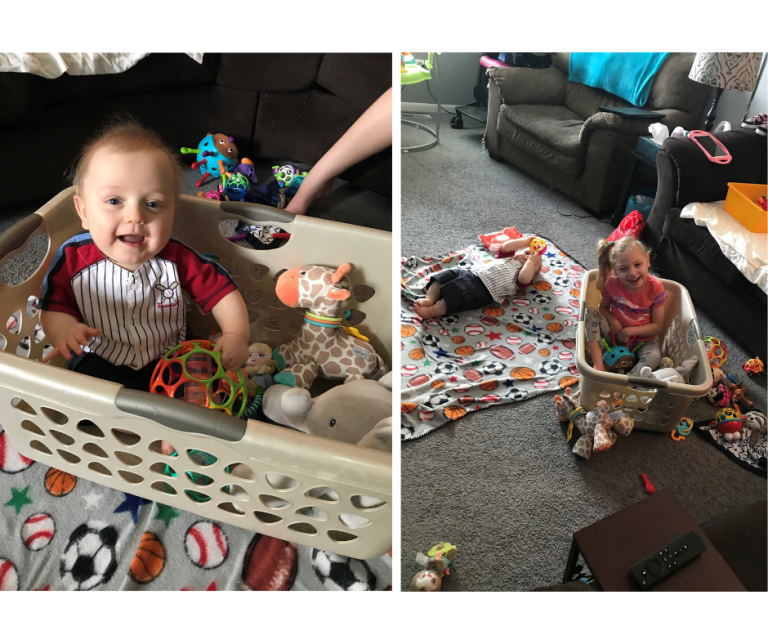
point(141, 315)
point(499, 277)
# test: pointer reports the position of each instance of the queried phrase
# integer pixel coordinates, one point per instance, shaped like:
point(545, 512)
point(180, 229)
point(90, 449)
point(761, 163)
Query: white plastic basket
point(654, 405)
point(292, 486)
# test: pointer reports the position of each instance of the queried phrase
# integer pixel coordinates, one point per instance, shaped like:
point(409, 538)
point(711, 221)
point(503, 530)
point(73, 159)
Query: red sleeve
point(57, 294)
point(205, 280)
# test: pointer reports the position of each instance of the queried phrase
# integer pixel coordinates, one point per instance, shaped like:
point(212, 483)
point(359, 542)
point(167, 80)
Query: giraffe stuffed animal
point(322, 347)
point(598, 428)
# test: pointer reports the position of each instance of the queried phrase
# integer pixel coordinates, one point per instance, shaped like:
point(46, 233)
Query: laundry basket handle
point(647, 382)
point(17, 234)
point(180, 415)
point(257, 212)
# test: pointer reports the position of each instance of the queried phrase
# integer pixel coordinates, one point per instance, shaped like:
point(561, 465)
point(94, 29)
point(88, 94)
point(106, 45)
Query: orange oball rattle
point(192, 371)
point(537, 245)
point(717, 352)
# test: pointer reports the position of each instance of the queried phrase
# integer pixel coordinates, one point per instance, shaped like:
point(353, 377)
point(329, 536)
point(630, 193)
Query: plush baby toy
point(438, 563)
point(322, 346)
point(668, 374)
point(260, 365)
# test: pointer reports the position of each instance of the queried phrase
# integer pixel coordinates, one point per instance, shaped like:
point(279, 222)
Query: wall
point(458, 77)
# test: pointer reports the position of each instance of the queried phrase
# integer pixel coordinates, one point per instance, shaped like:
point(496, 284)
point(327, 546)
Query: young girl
point(632, 303)
point(463, 290)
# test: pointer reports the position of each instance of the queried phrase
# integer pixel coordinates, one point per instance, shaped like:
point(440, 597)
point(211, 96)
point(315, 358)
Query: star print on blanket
point(461, 363)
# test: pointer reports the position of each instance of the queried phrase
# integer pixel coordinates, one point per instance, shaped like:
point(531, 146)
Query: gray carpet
point(502, 484)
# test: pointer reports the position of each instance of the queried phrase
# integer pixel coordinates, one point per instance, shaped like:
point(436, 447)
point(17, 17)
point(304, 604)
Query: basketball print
point(206, 545)
point(11, 462)
point(37, 531)
point(58, 483)
point(149, 560)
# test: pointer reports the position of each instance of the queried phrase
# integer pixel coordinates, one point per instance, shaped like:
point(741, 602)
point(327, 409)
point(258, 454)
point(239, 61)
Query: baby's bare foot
point(428, 312)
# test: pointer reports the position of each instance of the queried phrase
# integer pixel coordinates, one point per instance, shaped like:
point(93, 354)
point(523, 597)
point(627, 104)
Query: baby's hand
point(615, 325)
point(234, 351)
point(624, 335)
point(78, 336)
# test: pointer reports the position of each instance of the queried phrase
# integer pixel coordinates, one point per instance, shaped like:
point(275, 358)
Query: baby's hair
point(123, 134)
point(608, 253)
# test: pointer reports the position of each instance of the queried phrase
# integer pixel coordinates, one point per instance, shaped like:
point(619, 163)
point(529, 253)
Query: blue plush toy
point(213, 152)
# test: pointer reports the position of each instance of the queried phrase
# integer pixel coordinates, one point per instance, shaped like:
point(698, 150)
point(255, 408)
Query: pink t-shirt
point(634, 308)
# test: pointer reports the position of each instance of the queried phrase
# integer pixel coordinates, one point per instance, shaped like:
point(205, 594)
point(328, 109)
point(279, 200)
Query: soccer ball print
point(89, 560)
point(342, 573)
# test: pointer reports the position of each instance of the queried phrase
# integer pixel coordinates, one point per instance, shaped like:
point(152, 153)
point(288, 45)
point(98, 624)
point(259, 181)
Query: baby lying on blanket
point(462, 290)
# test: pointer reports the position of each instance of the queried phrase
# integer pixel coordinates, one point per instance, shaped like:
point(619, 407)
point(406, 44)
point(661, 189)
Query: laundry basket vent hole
point(278, 274)
point(31, 427)
point(645, 399)
point(642, 410)
point(275, 303)
point(366, 502)
point(14, 323)
point(94, 450)
point(664, 422)
point(199, 479)
point(126, 437)
point(3, 342)
point(323, 493)
point(274, 502)
point(341, 537)
point(258, 271)
point(39, 334)
point(23, 348)
point(69, 457)
point(354, 521)
point(232, 508)
point(87, 427)
point(131, 477)
point(98, 467)
point(131, 460)
point(161, 486)
point(54, 416)
point(64, 439)
point(638, 418)
point(40, 447)
point(273, 323)
point(19, 267)
point(252, 316)
point(197, 497)
point(281, 482)
point(363, 292)
point(605, 394)
point(236, 491)
point(304, 528)
point(203, 459)
point(254, 295)
point(233, 268)
point(23, 405)
point(618, 395)
point(631, 398)
point(163, 470)
point(32, 304)
point(266, 517)
point(156, 447)
point(313, 512)
point(651, 420)
point(628, 408)
point(241, 471)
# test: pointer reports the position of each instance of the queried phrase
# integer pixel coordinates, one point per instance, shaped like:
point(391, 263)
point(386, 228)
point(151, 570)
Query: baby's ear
point(80, 208)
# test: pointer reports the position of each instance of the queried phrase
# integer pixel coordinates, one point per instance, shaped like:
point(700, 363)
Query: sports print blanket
point(60, 532)
point(458, 364)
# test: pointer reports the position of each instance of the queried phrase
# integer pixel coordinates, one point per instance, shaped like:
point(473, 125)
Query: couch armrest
point(524, 86)
point(612, 122)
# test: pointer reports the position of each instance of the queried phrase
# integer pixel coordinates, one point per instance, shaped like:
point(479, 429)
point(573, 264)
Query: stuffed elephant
point(357, 412)
point(668, 374)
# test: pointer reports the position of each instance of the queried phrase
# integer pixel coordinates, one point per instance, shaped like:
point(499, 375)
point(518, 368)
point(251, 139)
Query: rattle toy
point(214, 148)
point(717, 352)
point(649, 487)
point(284, 174)
point(729, 423)
point(436, 564)
point(682, 430)
point(537, 245)
point(754, 366)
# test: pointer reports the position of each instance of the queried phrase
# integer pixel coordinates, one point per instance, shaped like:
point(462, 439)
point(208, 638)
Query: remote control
point(666, 560)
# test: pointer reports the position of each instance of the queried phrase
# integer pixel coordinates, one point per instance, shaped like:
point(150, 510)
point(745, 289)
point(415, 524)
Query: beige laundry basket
point(293, 486)
point(654, 405)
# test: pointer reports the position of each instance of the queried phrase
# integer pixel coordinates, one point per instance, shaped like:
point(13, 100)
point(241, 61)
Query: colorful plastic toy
point(717, 352)
point(649, 487)
point(214, 148)
point(436, 564)
point(247, 169)
point(538, 245)
point(192, 371)
point(285, 173)
point(682, 430)
point(754, 366)
point(729, 423)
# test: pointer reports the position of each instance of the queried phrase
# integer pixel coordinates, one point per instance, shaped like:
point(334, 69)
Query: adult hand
point(234, 351)
point(73, 340)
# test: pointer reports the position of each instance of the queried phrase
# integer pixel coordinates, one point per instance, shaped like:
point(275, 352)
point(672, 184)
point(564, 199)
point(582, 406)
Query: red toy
point(754, 367)
point(649, 487)
point(631, 225)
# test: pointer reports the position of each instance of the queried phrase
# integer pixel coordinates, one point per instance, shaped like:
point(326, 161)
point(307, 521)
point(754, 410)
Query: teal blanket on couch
point(627, 75)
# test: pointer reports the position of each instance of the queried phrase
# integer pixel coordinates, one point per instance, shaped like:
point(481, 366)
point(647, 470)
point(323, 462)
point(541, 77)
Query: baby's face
point(128, 203)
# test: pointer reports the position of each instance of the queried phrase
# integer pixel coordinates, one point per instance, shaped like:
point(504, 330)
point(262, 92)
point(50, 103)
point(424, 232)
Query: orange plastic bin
point(741, 204)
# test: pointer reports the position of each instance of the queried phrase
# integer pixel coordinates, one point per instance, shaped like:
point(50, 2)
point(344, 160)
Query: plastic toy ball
point(238, 181)
point(214, 152)
point(192, 371)
point(538, 245)
point(717, 352)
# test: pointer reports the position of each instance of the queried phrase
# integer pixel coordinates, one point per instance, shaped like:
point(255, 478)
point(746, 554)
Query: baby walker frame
point(293, 486)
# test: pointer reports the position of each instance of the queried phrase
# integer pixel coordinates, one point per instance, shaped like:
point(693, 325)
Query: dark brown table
point(614, 544)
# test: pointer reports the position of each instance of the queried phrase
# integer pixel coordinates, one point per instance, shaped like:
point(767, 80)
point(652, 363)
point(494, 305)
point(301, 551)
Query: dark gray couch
point(541, 122)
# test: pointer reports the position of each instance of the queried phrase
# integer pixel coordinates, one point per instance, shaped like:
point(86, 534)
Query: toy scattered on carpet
point(728, 423)
point(649, 487)
point(717, 352)
point(754, 366)
point(357, 412)
point(669, 374)
point(322, 346)
point(682, 430)
point(213, 152)
point(436, 564)
point(719, 396)
point(758, 424)
point(598, 428)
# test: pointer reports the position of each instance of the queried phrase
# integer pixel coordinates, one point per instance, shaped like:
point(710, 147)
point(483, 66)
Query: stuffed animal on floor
point(758, 425)
point(668, 374)
point(437, 564)
point(357, 412)
point(598, 428)
point(323, 346)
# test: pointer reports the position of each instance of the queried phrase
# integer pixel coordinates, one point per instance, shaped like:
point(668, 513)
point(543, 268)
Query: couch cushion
point(554, 125)
point(155, 73)
point(269, 72)
point(673, 89)
point(20, 97)
point(356, 78)
point(698, 241)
